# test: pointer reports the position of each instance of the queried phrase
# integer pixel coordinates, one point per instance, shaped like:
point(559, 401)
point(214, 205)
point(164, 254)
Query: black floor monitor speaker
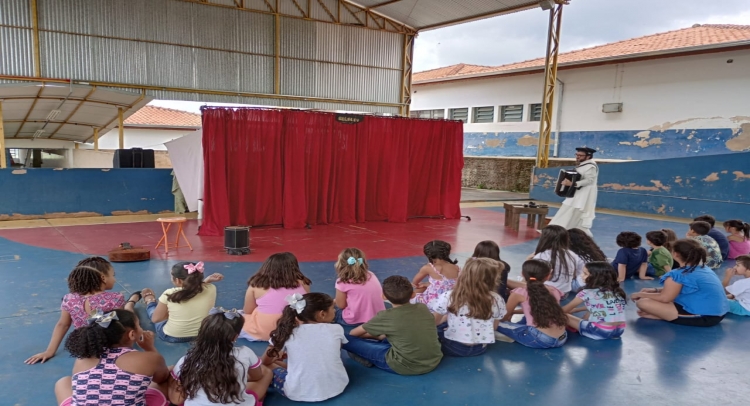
point(237, 240)
point(134, 158)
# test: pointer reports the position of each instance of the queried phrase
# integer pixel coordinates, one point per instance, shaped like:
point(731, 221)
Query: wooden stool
point(534, 215)
point(166, 223)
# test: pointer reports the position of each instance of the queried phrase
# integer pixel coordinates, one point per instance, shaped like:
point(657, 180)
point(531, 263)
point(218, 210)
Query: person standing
point(579, 211)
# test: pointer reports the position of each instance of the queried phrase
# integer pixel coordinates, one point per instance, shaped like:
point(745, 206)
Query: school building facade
point(675, 94)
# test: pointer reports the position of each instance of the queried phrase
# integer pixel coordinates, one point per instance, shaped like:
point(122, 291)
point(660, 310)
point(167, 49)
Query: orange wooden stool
point(166, 224)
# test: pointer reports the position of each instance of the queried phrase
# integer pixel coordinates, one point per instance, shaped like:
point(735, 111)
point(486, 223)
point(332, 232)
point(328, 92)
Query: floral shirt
point(432, 293)
point(603, 306)
point(467, 330)
point(75, 304)
point(714, 259)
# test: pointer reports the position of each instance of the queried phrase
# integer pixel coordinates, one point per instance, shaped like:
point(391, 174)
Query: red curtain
point(292, 168)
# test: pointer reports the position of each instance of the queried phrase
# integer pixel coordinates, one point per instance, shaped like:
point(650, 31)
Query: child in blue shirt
point(631, 258)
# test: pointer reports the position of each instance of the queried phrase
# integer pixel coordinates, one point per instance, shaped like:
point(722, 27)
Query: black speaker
point(237, 240)
point(134, 158)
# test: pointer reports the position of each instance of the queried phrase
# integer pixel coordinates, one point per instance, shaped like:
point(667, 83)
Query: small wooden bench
point(534, 215)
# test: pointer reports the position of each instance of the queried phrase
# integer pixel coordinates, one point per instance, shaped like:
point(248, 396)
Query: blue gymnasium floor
point(654, 362)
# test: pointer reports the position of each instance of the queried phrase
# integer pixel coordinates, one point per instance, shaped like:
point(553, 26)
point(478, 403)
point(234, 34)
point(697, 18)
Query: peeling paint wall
point(674, 107)
point(29, 193)
point(678, 187)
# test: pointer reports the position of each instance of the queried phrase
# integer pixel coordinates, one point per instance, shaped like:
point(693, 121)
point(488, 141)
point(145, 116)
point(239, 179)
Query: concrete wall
point(513, 174)
point(683, 106)
point(35, 193)
point(88, 158)
point(146, 138)
point(678, 187)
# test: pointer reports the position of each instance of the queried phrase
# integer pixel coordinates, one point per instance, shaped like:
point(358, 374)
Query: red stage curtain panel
point(293, 168)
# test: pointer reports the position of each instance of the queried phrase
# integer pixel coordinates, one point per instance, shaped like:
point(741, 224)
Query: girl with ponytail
point(179, 311)
point(545, 319)
point(739, 238)
point(103, 349)
point(311, 345)
point(441, 272)
point(215, 371)
point(359, 296)
point(692, 294)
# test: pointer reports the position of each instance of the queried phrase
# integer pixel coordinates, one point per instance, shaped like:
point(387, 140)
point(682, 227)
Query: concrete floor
point(653, 363)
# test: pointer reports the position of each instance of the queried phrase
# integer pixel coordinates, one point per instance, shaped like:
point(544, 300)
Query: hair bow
point(102, 319)
point(296, 302)
point(229, 314)
point(352, 261)
point(192, 268)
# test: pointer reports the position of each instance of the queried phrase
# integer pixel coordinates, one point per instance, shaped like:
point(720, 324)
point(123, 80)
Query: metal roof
point(61, 111)
point(429, 14)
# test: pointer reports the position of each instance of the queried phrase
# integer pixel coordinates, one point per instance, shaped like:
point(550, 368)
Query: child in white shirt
point(738, 293)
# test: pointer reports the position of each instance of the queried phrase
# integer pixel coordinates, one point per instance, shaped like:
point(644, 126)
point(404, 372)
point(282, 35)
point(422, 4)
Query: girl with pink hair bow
point(179, 311)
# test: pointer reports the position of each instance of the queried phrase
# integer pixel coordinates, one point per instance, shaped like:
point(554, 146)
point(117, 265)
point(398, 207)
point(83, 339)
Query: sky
point(522, 36)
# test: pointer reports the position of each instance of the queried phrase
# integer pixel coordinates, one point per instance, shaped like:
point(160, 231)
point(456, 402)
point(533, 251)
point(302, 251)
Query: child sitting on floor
point(660, 260)
point(468, 315)
point(717, 235)
point(215, 372)
point(359, 295)
point(738, 293)
point(311, 342)
point(441, 273)
point(276, 279)
point(90, 284)
point(739, 238)
point(405, 339)
point(178, 313)
point(631, 258)
point(554, 248)
point(584, 246)
point(107, 369)
point(490, 249)
point(605, 304)
point(545, 319)
point(699, 232)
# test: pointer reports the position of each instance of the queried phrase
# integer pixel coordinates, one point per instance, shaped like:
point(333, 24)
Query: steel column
point(96, 139)
point(550, 80)
point(3, 159)
point(408, 55)
point(35, 38)
point(121, 128)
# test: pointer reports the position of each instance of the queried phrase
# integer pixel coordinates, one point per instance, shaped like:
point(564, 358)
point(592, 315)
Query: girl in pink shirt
point(359, 295)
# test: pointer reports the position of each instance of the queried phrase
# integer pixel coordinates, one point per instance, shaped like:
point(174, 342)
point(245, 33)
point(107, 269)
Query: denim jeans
point(339, 319)
point(456, 349)
point(531, 336)
point(597, 331)
point(159, 327)
point(371, 350)
point(650, 270)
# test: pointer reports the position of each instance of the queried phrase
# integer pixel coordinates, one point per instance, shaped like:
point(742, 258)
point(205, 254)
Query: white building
point(679, 93)
point(148, 128)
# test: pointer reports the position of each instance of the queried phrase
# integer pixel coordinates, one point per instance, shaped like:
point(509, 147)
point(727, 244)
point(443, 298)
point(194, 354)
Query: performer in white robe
point(579, 211)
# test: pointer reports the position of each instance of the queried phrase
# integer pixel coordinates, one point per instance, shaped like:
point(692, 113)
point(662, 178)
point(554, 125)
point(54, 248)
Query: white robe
point(579, 211)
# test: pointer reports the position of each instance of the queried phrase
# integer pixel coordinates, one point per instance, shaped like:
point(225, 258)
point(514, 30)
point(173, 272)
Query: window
point(511, 113)
point(535, 112)
point(438, 113)
point(459, 114)
point(483, 114)
point(13, 154)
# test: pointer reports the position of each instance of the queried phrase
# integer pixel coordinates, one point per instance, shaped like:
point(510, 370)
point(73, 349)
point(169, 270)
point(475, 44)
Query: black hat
point(588, 151)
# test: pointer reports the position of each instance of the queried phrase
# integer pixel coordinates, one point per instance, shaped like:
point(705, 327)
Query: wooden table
point(534, 215)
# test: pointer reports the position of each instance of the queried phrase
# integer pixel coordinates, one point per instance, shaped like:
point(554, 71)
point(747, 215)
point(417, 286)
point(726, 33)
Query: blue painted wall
point(680, 187)
point(637, 145)
point(102, 191)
